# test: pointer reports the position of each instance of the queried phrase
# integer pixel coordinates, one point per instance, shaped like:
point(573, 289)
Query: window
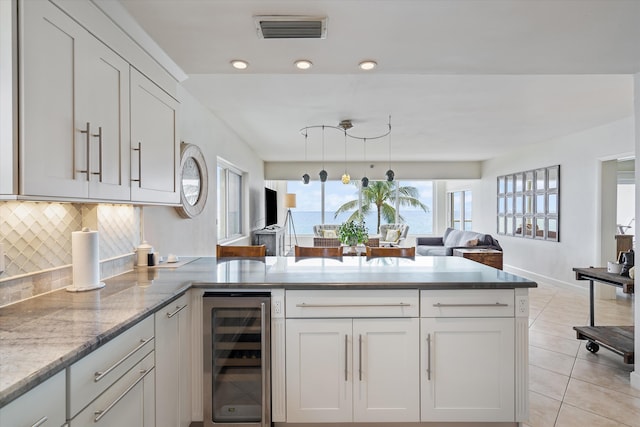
point(230, 195)
point(460, 210)
point(312, 201)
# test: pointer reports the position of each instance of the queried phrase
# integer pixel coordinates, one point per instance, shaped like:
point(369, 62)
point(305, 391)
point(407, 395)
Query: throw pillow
point(472, 242)
point(329, 234)
point(392, 236)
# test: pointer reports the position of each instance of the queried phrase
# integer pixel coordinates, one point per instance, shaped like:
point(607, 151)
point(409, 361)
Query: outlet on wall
point(522, 305)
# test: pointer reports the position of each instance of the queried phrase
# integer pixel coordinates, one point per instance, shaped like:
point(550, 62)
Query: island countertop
point(41, 336)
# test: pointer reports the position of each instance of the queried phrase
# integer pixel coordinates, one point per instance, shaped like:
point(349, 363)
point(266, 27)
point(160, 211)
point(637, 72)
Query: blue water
point(420, 223)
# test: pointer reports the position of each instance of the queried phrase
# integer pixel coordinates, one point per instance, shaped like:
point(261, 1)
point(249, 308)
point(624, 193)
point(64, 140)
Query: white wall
point(580, 156)
point(165, 230)
point(635, 375)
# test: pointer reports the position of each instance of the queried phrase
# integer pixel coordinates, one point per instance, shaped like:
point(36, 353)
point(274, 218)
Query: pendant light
point(345, 177)
point(323, 173)
point(305, 177)
point(365, 181)
point(389, 173)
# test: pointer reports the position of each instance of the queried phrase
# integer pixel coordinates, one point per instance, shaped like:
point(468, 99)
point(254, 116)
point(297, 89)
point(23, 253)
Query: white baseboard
point(544, 279)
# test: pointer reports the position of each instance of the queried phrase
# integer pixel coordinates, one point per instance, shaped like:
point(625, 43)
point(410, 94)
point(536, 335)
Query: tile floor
point(568, 385)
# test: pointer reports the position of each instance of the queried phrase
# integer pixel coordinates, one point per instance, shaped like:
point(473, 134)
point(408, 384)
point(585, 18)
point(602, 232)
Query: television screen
point(270, 207)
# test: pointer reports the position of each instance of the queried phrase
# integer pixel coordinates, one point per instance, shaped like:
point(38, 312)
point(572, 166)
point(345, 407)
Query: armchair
point(396, 237)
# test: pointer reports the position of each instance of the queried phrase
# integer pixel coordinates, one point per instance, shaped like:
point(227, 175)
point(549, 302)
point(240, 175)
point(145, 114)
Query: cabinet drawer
point(352, 303)
point(93, 374)
point(42, 406)
point(467, 303)
point(124, 403)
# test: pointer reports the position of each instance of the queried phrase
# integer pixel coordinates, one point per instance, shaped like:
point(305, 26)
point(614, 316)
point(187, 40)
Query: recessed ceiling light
point(303, 64)
point(239, 64)
point(367, 65)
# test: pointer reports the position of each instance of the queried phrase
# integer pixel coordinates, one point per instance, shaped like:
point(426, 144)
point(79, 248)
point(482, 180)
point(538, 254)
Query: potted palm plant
point(352, 233)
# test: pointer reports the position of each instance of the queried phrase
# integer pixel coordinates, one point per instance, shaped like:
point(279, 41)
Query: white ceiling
point(462, 79)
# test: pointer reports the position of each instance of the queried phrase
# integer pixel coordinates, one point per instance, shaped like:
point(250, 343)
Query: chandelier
point(344, 126)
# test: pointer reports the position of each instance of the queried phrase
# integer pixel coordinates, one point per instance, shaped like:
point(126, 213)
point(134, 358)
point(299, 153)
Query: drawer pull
point(305, 305)
point(40, 421)
point(101, 374)
point(498, 304)
point(428, 357)
point(346, 357)
point(102, 412)
point(360, 356)
point(177, 310)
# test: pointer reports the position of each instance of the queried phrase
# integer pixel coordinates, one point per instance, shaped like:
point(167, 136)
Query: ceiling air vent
point(291, 27)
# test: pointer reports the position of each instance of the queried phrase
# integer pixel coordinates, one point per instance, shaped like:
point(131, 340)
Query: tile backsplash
point(37, 243)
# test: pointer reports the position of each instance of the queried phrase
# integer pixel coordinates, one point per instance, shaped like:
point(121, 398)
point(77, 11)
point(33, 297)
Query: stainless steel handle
point(139, 150)
point(263, 347)
point(40, 421)
point(346, 357)
point(99, 136)
point(177, 310)
point(101, 374)
point(87, 131)
point(102, 412)
point(305, 305)
point(429, 357)
point(498, 304)
point(360, 356)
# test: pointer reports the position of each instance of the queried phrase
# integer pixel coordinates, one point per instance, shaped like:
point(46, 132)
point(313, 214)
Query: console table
point(490, 257)
point(618, 339)
point(272, 238)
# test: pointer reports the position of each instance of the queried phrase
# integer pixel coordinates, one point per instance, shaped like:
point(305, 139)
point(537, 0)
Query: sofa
point(454, 239)
point(326, 230)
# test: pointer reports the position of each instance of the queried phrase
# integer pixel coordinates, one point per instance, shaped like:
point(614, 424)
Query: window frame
point(463, 209)
point(223, 223)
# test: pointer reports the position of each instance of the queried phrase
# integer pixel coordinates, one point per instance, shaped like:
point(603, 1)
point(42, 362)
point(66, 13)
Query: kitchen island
point(46, 335)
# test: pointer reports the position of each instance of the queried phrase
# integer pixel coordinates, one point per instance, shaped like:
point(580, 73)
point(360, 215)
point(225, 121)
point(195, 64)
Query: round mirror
point(193, 181)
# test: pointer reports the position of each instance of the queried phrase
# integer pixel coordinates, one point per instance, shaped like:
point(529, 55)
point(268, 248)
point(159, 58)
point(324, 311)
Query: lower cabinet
point(43, 406)
point(173, 364)
point(360, 370)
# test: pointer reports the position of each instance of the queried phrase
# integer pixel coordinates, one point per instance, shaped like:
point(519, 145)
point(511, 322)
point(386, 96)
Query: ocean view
point(419, 222)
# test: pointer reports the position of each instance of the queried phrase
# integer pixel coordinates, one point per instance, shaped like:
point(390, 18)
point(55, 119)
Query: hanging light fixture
point(345, 177)
point(389, 173)
point(365, 181)
point(305, 177)
point(344, 127)
point(323, 173)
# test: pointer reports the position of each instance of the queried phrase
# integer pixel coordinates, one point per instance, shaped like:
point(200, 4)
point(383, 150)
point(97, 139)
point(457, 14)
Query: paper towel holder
point(85, 287)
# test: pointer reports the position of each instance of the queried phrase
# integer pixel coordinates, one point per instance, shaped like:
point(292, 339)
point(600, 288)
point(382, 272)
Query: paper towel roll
point(85, 259)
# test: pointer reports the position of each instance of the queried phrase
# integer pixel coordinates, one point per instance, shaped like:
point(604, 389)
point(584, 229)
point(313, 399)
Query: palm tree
point(381, 194)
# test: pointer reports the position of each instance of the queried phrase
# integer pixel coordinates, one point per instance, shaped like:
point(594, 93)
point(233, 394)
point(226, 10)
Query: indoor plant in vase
point(352, 233)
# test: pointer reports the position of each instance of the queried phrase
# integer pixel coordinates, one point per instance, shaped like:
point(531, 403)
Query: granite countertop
point(41, 336)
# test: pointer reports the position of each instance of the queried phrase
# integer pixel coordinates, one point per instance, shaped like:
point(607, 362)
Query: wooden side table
point(490, 257)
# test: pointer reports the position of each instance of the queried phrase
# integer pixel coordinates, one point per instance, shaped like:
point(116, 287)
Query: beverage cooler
point(237, 386)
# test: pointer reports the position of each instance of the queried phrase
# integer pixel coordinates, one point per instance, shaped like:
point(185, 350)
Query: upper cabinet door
point(102, 84)
point(155, 151)
point(53, 156)
point(75, 110)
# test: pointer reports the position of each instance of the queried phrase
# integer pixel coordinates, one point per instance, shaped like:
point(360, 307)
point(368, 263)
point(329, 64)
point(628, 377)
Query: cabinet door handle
point(102, 412)
point(305, 305)
point(428, 357)
point(87, 131)
point(360, 356)
point(176, 311)
point(139, 150)
point(101, 374)
point(99, 136)
point(40, 421)
point(346, 357)
point(263, 348)
point(498, 304)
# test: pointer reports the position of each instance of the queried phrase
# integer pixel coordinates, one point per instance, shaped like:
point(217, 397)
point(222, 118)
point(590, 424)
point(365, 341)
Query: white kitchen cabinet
point(173, 364)
point(43, 406)
point(155, 150)
point(350, 369)
point(74, 124)
point(468, 370)
point(129, 402)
